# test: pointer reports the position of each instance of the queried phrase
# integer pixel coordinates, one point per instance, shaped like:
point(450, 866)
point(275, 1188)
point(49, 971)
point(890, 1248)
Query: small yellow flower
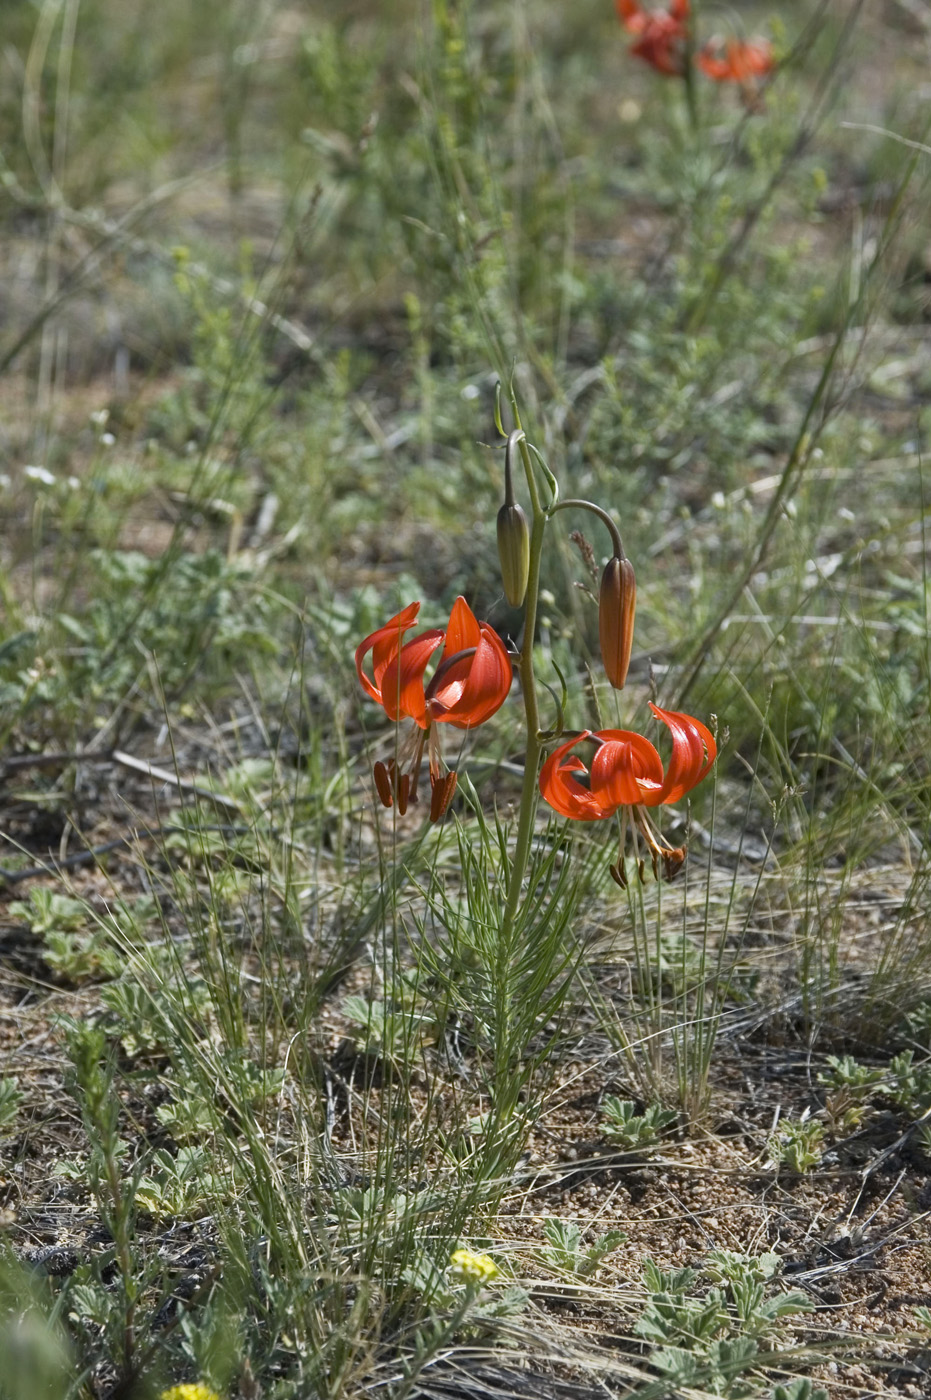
point(472, 1268)
point(189, 1392)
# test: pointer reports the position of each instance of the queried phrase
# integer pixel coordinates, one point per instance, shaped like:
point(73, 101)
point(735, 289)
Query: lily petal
point(402, 691)
point(475, 684)
point(384, 644)
point(462, 631)
point(560, 789)
point(742, 60)
point(631, 15)
point(660, 34)
point(625, 770)
point(693, 753)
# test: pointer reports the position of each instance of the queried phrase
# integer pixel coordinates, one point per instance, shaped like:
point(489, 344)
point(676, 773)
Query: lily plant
point(625, 778)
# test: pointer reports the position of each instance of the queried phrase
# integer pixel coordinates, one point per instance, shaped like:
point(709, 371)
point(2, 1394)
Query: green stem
point(602, 516)
point(509, 498)
point(691, 91)
point(505, 1082)
point(531, 708)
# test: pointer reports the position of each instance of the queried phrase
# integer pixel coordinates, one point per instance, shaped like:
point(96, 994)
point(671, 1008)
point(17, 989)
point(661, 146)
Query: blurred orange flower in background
point(660, 34)
point(741, 61)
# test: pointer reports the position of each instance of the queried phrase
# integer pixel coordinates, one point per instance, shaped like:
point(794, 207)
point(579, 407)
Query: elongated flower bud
point(616, 606)
point(514, 552)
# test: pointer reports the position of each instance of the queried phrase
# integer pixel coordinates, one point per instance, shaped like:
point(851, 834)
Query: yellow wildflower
point(189, 1392)
point(472, 1268)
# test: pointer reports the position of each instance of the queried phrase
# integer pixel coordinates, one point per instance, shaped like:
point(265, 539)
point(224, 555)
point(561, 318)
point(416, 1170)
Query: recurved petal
point(402, 690)
point(749, 59)
point(563, 792)
point(693, 753)
point(660, 44)
point(474, 685)
point(631, 15)
point(625, 770)
point(759, 59)
point(741, 61)
point(384, 644)
point(713, 66)
point(463, 630)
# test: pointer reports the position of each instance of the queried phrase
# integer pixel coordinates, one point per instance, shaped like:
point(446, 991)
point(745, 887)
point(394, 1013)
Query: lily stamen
point(672, 857)
point(442, 787)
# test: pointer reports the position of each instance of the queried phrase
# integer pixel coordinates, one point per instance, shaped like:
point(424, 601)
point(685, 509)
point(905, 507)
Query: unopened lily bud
point(514, 552)
point(616, 606)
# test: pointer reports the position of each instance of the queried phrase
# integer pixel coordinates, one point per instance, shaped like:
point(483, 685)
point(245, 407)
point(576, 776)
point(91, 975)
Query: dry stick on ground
point(73, 862)
point(92, 853)
point(17, 762)
point(57, 759)
point(163, 775)
point(137, 765)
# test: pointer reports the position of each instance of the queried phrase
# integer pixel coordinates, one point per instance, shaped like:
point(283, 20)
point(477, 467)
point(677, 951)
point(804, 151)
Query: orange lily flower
point(627, 775)
point(470, 683)
point(660, 34)
point(742, 60)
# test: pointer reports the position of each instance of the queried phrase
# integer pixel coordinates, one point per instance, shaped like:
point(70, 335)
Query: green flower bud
point(616, 606)
point(514, 552)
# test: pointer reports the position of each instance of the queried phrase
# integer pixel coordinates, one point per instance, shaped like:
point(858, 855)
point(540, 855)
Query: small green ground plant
point(566, 1252)
point(74, 948)
point(712, 1341)
point(632, 1130)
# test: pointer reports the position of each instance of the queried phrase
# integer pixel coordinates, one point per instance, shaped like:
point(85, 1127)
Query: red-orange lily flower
point(742, 60)
point(660, 34)
point(470, 683)
point(627, 775)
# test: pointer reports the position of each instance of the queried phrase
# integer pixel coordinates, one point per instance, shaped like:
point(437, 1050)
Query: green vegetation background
point(263, 266)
